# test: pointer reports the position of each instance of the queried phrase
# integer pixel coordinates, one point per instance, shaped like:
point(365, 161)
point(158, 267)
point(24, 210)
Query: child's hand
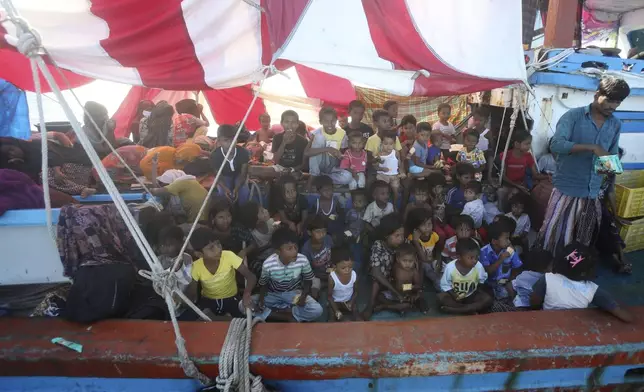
point(416, 235)
point(302, 300)
point(260, 304)
point(402, 175)
point(247, 301)
point(338, 315)
point(292, 226)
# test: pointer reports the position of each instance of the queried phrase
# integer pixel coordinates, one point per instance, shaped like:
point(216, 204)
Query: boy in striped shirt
point(285, 282)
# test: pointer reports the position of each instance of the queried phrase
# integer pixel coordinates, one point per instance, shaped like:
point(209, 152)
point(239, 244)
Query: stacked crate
point(629, 192)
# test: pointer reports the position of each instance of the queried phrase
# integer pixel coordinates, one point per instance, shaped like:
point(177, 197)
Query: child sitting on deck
point(536, 264)
point(463, 225)
point(318, 251)
point(355, 160)
point(436, 183)
point(500, 260)
point(390, 167)
point(446, 128)
point(460, 282)
point(391, 234)
point(343, 290)
point(214, 273)
point(455, 198)
point(285, 282)
point(474, 205)
point(471, 154)
point(421, 235)
point(517, 162)
point(257, 219)
point(233, 181)
point(354, 221)
point(379, 207)
point(418, 166)
point(408, 281)
point(323, 150)
point(519, 236)
point(420, 192)
point(292, 206)
point(328, 206)
point(568, 286)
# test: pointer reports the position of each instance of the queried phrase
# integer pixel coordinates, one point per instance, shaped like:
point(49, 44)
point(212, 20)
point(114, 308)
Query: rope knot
point(27, 41)
point(163, 281)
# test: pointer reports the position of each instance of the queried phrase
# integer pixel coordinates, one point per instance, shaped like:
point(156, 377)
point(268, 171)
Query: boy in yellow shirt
point(214, 272)
point(324, 150)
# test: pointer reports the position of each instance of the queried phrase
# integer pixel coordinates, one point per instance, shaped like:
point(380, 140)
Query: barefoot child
point(292, 206)
point(408, 281)
point(460, 282)
point(445, 127)
point(471, 154)
point(568, 286)
point(390, 165)
point(418, 167)
point(286, 281)
point(318, 251)
point(214, 274)
point(233, 236)
point(390, 234)
point(355, 160)
point(343, 291)
point(455, 198)
point(419, 225)
point(464, 227)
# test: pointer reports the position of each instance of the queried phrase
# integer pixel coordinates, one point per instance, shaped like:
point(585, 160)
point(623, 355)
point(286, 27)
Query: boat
point(555, 350)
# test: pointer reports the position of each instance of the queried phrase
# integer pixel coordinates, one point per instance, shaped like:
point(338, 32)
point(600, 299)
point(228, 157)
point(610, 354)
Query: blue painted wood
point(580, 82)
point(574, 61)
point(633, 165)
point(106, 198)
point(629, 115)
point(570, 378)
point(28, 217)
point(633, 127)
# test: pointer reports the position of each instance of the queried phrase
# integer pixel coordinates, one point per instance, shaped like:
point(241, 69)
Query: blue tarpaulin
point(14, 112)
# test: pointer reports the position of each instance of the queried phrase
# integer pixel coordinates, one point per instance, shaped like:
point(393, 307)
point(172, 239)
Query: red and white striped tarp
point(406, 47)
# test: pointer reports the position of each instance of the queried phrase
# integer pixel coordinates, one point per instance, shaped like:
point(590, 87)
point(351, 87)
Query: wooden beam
point(561, 24)
point(500, 342)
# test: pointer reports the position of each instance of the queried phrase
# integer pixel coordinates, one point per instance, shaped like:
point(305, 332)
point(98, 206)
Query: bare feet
point(87, 192)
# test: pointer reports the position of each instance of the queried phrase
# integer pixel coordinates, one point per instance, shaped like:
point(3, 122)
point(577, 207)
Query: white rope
point(234, 372)
point(164, 281)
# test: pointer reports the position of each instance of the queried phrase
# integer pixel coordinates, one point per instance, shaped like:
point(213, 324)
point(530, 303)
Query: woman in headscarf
point(188, 123)
point(169, 158)
point(101, 124)
point(143, 111)
point(132, 156)
point(156, 130)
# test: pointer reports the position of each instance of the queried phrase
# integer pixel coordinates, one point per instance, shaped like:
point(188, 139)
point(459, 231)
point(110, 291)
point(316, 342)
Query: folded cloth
point(173, 175)
point(19, 192)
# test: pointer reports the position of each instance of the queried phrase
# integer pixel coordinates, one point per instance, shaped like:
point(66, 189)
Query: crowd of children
point(420, 217)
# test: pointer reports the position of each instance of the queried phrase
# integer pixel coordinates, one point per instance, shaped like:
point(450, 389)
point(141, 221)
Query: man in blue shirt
point(574, 210)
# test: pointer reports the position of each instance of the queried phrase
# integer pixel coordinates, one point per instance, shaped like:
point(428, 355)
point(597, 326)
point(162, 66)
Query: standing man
point(583, 134)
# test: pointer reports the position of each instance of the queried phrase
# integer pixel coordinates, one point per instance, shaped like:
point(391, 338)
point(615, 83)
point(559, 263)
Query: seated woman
point(168, 158)
point(132, 156)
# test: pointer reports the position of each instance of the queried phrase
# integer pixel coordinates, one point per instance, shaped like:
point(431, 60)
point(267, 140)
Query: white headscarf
point(173, 175)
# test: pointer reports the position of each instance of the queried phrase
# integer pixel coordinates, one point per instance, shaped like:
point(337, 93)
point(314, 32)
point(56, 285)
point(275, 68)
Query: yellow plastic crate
point(631, 178)
point(630, 201)
point(633, 236)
